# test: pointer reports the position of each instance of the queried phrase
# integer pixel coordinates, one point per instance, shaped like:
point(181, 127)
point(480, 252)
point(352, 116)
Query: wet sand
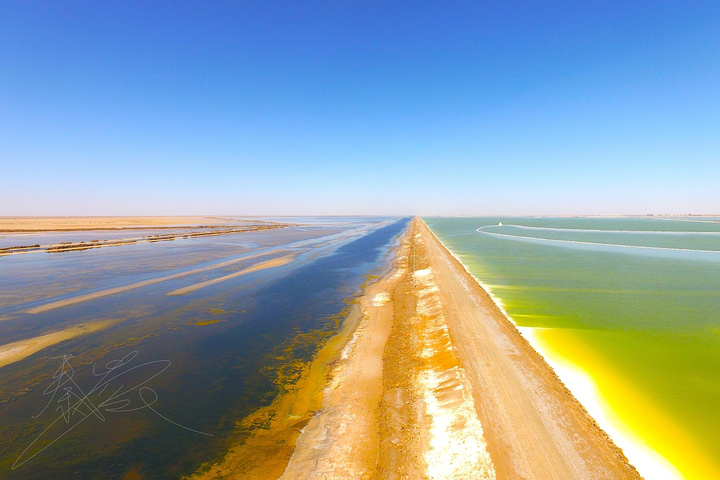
point(275, 262)
point(273, 431)
point(16, 351)
point(437, 383)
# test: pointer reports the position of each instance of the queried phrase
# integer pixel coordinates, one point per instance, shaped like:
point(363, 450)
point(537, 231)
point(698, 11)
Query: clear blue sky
point(303, 107)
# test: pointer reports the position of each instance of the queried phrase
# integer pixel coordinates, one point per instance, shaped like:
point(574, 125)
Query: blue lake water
point(207, 359)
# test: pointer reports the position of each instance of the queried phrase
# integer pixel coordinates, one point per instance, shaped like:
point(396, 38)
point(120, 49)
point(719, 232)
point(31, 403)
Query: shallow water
point(632, 302)
point(206, 359)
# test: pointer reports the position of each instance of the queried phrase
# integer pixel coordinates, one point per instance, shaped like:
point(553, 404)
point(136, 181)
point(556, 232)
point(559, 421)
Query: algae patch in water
point(265, 440)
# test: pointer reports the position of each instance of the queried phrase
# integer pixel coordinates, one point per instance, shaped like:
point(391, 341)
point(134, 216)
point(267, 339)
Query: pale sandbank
point(16, 351)
point(275, 262)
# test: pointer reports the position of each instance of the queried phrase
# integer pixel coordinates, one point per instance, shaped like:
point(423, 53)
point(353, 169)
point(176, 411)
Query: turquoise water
point(633, 302)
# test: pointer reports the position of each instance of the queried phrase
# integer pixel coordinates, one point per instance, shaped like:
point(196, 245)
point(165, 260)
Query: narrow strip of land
point(16, 351)
point(207, 231)
point(398, 404)
point(342, 440)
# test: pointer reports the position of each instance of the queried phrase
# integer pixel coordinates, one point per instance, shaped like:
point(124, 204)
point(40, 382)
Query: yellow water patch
point(202, 323)
point(652, 440)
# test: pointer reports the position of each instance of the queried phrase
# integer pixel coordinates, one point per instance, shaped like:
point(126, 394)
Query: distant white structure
point(500, 224)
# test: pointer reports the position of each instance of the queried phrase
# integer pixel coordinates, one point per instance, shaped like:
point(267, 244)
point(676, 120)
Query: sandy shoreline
point(398, 404)
point(65, 224)
point(342, 440)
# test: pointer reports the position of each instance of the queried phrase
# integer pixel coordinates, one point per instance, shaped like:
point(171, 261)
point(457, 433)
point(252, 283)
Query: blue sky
point(359, 107)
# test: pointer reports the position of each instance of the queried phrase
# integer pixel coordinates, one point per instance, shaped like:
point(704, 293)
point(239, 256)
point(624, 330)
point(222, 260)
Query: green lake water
point(633, 302)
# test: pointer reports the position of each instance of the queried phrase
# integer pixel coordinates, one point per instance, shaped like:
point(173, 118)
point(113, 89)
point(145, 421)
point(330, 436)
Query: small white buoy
point(500, 224)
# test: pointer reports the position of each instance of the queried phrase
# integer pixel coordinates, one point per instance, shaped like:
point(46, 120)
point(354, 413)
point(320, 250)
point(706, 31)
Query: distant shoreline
point(96, 224)
point(79, 223)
